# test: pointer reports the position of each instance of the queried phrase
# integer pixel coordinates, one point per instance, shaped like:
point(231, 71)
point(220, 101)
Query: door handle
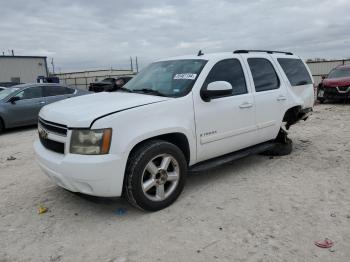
point(246, 105)
point(281, 98)
point(42, 102)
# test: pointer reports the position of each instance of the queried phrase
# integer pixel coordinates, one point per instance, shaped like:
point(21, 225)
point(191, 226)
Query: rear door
point(269, 93)
point(299, 80)
point(56, 93)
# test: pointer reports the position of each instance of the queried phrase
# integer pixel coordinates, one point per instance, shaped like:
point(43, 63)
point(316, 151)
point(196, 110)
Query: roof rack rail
point(262, 51)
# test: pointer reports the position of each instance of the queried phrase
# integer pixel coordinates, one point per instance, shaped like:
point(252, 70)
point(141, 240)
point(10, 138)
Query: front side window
point(295, 71)
point(7, 92)
point(264, 75)
point(57, 90)
point(229, 70)
point(167, 78)
point(30, 93)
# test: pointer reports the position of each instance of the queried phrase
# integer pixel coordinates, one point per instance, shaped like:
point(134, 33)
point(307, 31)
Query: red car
point(336, 85)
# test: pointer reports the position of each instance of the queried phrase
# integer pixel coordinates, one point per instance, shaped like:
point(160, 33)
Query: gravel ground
point(256, 209)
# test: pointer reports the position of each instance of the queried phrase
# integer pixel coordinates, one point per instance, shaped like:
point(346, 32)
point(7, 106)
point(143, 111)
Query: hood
point(334, 82)
point(83, 110)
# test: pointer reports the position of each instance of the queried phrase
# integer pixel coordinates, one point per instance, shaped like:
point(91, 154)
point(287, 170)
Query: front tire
point(155, 175)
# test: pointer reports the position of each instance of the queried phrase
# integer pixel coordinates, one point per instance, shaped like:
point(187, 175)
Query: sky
point(84, 34)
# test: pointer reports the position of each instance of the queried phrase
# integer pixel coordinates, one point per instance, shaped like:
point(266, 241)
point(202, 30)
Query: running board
point(221, 160)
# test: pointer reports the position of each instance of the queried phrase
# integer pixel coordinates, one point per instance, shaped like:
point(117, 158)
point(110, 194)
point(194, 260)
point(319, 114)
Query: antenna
point(200, 53)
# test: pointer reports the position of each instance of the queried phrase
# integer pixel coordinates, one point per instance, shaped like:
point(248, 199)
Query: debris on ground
point(326, 243)
point(42, 210)
point(121, 211)
point(11, 158)
point(333, 215)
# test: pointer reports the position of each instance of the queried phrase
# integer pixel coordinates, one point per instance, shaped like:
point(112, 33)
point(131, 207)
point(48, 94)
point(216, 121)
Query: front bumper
point(333, 92)
point(101, 175)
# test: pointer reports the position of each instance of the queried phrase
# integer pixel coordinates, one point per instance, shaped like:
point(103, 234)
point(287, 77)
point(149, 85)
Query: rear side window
point(264, 75)
point(229, 70)
point(57, 90)
point(295, 71)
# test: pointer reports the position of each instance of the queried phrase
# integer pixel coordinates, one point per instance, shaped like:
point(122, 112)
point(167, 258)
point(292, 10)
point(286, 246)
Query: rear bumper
point(93, 175)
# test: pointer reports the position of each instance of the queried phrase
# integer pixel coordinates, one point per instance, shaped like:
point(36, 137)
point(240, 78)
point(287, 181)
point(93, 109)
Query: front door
point(25, 111)
point(225, 124)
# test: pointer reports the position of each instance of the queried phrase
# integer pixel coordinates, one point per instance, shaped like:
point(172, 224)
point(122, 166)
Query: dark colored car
point(109, 84)
point(20, 105)
point(8, 84)
point(335, 86)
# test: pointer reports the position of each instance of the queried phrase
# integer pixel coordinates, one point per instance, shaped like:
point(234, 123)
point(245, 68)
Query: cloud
point(85, 34)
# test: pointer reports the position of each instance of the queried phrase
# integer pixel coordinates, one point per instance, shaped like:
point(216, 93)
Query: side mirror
point(216, 89)
point(13, 99)
point(323, 76)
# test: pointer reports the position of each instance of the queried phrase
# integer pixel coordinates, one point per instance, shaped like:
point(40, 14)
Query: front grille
point(55, 146)
point(53, 127)
point(343, 88)
point(330, 90)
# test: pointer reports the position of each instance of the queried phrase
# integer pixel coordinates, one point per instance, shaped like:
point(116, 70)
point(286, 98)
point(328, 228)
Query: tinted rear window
point(295, 71)
point(264, 75)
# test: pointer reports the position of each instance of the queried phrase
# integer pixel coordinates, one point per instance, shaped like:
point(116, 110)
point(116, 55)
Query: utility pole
point(131, 65)
point(53, 66)
point(137, 65)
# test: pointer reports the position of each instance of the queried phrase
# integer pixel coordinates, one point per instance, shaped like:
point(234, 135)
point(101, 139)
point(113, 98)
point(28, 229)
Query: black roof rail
point(262, 51)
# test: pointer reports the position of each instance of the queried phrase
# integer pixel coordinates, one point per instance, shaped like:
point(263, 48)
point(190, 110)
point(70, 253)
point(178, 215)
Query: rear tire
point(283, 145)
point(280, 149)
point(155, 175)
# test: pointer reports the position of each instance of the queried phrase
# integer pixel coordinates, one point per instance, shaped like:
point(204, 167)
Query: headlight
point(91, 142)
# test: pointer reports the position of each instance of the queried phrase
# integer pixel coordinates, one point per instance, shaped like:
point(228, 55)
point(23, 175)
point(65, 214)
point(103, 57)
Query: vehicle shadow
point(196, 182)
point(18, 129)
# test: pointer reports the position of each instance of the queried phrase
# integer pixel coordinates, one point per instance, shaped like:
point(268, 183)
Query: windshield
point(6, 92)
point(337, 73)
point(167, 78)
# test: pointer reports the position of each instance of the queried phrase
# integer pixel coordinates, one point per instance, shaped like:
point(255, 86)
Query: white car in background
point(181, 114)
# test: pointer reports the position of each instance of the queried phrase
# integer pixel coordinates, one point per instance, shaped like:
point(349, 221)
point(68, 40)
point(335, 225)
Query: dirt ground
point(256, 209)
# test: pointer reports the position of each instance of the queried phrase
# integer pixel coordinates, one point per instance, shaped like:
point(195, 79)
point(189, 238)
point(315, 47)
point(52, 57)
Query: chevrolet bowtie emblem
point(42, 133)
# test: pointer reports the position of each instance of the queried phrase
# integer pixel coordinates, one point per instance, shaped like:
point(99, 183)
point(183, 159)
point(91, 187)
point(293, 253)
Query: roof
point(21, 56)
point(222, 55)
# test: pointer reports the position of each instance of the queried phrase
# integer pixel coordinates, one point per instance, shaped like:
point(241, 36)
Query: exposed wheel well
point(178, 139)
point(292, 116)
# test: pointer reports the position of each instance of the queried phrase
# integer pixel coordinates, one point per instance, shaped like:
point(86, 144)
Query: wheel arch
point(292, 115)
point(177, 138)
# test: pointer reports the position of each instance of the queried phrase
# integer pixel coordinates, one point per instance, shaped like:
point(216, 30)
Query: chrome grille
point(55, 128)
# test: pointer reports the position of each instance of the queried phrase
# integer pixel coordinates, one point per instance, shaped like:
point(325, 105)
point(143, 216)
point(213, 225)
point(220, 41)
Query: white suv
point(180, 114)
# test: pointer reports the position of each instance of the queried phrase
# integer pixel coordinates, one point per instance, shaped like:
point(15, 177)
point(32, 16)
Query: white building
point(22, 69)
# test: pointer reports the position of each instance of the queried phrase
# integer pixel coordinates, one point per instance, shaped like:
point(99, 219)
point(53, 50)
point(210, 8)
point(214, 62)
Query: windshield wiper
point(149, 91)
point(124, 89)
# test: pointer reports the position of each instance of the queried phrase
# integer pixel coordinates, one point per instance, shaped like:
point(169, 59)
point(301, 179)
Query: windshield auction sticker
point(185, 76)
